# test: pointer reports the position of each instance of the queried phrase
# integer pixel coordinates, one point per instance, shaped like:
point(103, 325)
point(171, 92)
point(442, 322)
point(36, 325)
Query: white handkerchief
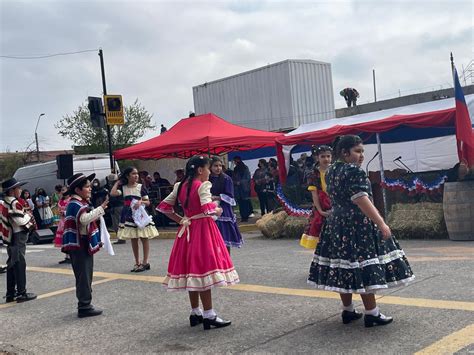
point(105, 237)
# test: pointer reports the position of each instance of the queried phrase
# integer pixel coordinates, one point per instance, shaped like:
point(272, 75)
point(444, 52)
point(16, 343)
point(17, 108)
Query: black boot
point(91, 312)
point(194, 320)
point(215, 322)
point(348, 317)
point(371, 321)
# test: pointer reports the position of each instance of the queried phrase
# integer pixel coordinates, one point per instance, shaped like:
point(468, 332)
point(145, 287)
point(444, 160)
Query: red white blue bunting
point(415, 185)
point(290, 208)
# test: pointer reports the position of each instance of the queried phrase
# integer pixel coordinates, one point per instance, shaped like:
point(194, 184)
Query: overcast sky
point(157, 51)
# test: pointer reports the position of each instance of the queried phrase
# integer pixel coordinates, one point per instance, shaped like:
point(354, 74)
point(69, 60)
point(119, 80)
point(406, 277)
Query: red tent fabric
point(201, 134)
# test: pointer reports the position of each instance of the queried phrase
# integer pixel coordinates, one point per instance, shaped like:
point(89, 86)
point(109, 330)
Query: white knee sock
point(209, 314)
point(196, 311)
point(349, 308)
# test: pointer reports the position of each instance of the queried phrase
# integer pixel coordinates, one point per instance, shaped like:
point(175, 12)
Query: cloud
point(157, 51)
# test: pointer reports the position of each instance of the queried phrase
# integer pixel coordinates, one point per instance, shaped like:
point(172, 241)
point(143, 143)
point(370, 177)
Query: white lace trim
point(202, 283)
point(368, 289)
point(346, 264)
point(359, 194)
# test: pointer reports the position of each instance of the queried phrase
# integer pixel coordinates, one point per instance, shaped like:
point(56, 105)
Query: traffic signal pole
point(107, 127)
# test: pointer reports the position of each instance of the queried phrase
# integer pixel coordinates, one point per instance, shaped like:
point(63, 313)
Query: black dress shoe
point(119, 241)
point(9, 299)
point(65, 261)
point(194, 320)
point(25, 297)
point(348, 317)
point(371, 321)
point(3, 269)
point(215, 322)
point(92, 312)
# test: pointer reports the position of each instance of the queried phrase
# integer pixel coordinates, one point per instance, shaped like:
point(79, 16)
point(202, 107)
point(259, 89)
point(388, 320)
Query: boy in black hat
point(81, 239)
point(19, 221)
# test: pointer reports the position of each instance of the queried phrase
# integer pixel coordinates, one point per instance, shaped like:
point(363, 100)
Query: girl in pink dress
point(199, 259)
point(58, 238)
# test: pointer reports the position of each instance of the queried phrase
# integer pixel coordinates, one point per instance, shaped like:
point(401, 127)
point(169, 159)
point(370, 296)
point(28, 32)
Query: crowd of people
point(354, 249)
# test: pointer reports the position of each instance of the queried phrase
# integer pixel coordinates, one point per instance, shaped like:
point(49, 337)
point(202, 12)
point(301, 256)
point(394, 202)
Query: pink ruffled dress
point(199, 259)
point(58, 239)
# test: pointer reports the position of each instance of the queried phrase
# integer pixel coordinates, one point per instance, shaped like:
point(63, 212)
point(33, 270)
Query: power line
point(47, 55)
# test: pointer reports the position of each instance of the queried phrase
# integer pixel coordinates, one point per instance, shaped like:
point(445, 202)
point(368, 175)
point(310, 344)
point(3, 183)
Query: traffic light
point(97, 112)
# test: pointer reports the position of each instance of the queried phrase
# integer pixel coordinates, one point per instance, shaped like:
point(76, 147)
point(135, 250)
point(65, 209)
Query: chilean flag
point(464, 132)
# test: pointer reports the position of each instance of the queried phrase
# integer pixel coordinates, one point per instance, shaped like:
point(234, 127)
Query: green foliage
point(10, 163)
point(78, 128)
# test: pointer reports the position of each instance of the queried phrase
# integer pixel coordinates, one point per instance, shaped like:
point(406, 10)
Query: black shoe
point(215, 322)
point(3, 269)
point(9, 299)
point(195, 320)
point(65, 261)
point(25, 297)
point(119, 241)
point(91, 312)
point(371, 321)
point(348, 317)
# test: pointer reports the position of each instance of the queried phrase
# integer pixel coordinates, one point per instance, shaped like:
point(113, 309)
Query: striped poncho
point(72, 239)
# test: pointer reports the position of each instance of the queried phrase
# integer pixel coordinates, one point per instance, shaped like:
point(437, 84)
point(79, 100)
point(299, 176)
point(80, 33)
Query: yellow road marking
point(451, 343)
point(58, 292)
point(403, 301)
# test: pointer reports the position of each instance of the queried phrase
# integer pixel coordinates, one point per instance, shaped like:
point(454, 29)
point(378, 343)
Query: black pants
point(262, 200)
point(16, 265)
point(245, 207)
point(83, 267)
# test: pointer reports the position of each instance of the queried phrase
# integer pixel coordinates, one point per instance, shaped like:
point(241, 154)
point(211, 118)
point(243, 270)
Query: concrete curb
point(171, 234)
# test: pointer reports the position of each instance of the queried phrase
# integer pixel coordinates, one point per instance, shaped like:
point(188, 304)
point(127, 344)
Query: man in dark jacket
point(241, 179)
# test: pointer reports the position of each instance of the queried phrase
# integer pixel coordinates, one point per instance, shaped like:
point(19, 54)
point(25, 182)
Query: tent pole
point(382, 175)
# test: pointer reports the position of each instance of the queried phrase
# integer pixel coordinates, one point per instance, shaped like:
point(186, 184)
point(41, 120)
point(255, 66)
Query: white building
point(276, 97)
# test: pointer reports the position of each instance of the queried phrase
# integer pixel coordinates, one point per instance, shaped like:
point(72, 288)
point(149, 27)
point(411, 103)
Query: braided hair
point(190, 173)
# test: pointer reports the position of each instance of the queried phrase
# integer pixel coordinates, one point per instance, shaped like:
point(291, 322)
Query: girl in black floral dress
point(356, 252)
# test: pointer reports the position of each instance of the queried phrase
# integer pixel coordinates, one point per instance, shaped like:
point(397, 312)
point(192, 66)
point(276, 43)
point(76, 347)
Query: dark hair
point(81, 184)
point(22, 195)
point(125, 173)
point(192, 167)
point(58, 188)
point(215, 159)
point(323, 149)
point(345, 143)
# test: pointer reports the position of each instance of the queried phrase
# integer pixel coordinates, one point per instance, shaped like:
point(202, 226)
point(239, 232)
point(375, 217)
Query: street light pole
point(36, 138)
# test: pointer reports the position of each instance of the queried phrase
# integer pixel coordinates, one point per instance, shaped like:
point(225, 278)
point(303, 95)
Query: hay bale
point(294, 227)
point(424, 220)
point(271, 224)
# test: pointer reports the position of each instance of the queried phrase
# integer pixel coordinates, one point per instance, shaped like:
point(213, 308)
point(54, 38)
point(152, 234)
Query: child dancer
point(58, 238)
point(81, 239)
point(321, 202)
point(130, 189)
point(222, 191)
point(199, 260)
point(356, 252)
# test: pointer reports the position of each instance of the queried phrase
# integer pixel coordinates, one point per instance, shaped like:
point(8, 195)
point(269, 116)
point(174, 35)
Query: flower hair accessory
point(192, 166)
point(201, 157)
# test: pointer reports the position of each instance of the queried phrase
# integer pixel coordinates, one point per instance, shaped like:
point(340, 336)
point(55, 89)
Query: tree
point(78, 128)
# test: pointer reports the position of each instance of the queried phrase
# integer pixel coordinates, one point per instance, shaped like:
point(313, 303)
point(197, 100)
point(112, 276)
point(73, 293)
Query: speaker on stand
point(42, 236)
point(65, 166)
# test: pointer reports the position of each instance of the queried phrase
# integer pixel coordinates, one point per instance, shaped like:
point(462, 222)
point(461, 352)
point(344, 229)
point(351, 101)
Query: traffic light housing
point(114, 109)
point(97, 111)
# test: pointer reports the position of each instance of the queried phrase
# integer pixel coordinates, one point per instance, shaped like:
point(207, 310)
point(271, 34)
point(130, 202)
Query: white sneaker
point(251, 215)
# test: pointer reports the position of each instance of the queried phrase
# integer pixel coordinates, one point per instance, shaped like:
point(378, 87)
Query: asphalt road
point(272, 310)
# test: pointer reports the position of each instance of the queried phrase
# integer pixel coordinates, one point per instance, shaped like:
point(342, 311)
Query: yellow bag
point(308, 241)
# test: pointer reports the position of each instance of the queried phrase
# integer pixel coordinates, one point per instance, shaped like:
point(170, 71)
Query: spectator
point(273, 169)
point(163, 129)
point(42, 211)
point(112, 214)
point(98, 194)
point(350, 95)
point(241, 179)
point(259, 184)
point(179, 175)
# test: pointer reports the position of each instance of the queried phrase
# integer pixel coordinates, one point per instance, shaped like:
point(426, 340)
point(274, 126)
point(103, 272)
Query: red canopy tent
point(203, 134)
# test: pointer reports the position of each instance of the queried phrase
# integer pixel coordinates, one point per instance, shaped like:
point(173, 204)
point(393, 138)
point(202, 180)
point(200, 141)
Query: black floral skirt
point(351, 257)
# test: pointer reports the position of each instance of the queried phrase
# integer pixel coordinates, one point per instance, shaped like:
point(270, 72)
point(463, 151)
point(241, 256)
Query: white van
point(44, 174)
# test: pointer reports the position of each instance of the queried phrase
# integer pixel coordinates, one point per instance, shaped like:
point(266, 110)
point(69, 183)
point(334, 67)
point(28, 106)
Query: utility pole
point(107, 127)
point(375, 90)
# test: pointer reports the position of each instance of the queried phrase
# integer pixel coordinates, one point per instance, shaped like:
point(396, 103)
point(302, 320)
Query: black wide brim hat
point(11, 184)
point(75, 180)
